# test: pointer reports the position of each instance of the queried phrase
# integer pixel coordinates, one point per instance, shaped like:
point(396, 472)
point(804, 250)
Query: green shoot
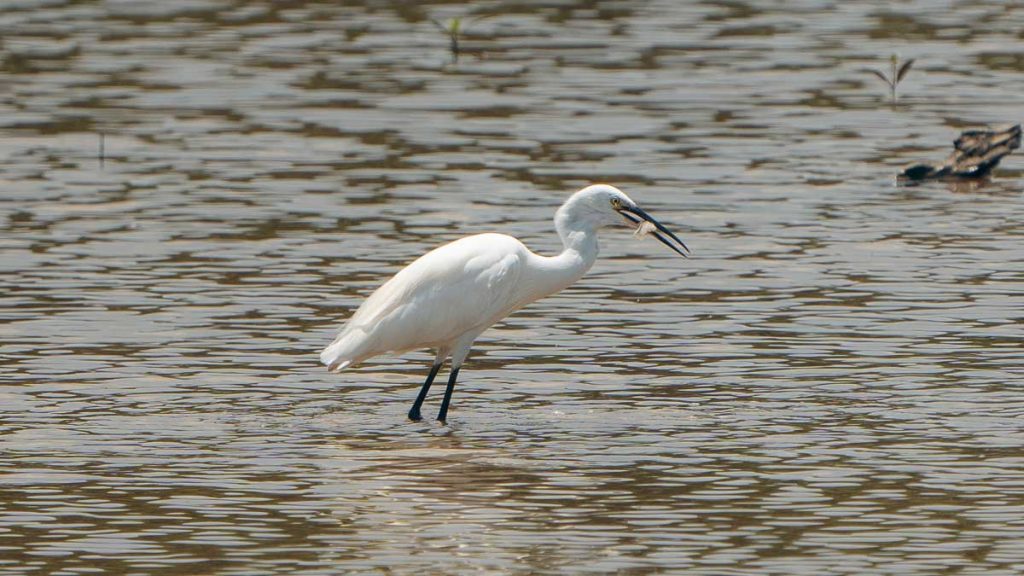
point(454, 29)
point(897, 73)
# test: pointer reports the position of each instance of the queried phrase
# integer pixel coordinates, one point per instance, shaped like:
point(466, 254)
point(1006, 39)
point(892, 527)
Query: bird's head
point(602, 204)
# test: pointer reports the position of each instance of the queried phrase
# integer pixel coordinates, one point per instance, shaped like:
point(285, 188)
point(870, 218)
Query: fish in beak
point(636, 215)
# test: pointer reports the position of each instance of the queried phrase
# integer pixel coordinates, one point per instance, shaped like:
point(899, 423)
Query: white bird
point(446, 298)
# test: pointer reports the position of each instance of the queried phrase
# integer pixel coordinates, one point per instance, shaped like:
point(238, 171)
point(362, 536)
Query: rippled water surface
point(832, 385)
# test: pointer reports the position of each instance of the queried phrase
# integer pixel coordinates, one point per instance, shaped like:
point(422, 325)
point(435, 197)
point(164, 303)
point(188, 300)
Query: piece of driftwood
point(975, 154)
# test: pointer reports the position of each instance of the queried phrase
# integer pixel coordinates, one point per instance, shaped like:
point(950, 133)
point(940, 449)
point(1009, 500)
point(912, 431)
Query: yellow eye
point(616, 203)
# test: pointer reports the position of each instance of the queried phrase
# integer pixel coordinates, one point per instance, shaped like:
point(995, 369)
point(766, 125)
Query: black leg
point(414, 412)
point(443, 414)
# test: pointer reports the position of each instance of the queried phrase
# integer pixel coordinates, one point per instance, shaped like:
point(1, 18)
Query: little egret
point(450, 295)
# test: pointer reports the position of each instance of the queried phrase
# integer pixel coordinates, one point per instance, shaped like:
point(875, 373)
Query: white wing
point(458, 289)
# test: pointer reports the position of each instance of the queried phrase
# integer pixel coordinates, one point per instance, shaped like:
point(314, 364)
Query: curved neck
point(579, 251)
point(577, 234)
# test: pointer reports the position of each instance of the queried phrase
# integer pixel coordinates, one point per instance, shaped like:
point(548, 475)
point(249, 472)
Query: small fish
point(644, 229)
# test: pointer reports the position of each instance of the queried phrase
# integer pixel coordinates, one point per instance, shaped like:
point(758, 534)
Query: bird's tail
point(340, 354)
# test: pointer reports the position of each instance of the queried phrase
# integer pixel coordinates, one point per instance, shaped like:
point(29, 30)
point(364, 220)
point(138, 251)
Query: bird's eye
point(616, 203)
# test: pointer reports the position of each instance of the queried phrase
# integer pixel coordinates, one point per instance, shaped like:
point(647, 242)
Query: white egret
point(450, 295)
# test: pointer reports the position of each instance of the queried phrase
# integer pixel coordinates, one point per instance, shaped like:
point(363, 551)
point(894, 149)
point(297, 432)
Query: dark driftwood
point(975, 154)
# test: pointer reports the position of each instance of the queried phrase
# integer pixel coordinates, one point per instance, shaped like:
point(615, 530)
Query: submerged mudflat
point(830, 385)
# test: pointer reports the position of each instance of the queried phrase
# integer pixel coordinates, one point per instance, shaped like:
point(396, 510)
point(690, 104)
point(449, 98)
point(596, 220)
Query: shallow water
point(831, 385)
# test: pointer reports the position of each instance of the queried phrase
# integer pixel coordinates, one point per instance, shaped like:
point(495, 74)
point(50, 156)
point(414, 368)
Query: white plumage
point(456, 289)
point(446, 298)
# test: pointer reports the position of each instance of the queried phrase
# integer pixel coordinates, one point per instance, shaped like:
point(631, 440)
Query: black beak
point(636, 215)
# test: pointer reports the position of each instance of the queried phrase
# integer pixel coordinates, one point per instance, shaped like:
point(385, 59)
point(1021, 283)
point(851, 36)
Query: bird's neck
point(579, 247)
point(579, 251)
point(579, 236)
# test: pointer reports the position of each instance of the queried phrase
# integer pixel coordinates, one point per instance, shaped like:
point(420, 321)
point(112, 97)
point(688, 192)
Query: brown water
point(833, 384)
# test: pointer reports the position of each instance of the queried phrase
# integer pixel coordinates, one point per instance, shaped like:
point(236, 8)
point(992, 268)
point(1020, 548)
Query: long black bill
point(636, 215)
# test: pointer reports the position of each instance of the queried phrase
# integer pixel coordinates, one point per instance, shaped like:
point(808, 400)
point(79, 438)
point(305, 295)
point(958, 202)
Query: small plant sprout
point(454, 29)
point(897, 73)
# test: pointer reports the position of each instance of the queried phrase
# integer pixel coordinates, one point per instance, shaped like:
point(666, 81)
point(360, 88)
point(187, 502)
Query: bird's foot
point(415, 415)
point(442, 417)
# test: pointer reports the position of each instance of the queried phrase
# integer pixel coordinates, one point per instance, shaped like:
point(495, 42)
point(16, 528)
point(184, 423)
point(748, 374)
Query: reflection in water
point(829, 386)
